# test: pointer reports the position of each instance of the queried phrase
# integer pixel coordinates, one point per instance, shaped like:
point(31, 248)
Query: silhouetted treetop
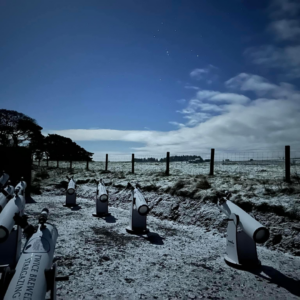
point(61, 148)
point(17, 129)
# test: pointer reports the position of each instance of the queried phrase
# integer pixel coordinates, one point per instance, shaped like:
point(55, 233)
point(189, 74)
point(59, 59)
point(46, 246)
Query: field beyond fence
point(283, 165)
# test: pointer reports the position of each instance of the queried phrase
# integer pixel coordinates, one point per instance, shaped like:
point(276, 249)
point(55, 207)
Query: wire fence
point(257, 165)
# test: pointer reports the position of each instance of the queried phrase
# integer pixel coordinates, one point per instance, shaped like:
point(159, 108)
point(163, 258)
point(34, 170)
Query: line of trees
point(19, 130)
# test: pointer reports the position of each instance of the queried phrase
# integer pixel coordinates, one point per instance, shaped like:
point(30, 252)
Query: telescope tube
point(140, 202)
point(44, 216)
point(3, 180)
point(29, 280)
point(250, 226)
point(101, 192)
point(20, 187)
point(71, 187)
point(7, 222)
point(5, 195)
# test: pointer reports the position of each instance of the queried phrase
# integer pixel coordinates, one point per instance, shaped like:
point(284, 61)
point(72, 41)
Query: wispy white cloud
point(180, 125)
point(181, 101)
point(209, 74)
point(285, 29)
point(269, 122)
point(198, 74)
point(215, 96)
point(198, 111)
point(281, 8)
point(286, 60)
point(284, 26)
point(191, 87)
point(261, 87)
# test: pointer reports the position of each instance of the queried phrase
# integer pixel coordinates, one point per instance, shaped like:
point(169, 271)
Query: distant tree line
point(150, 159)
point(19, 130)
point(172, 158)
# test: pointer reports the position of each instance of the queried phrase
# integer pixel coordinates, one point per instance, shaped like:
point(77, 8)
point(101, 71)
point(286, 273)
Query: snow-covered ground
point(182, 257)
point(173, 261)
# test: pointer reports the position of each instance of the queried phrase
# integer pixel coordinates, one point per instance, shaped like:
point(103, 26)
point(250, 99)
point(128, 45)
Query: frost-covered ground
point(183, 255)
point(173, 261)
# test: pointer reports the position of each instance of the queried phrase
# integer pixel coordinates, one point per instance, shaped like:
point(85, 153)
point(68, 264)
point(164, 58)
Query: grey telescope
point(138, 211)
point(35, 273)
point(14, 206)
point(11, 235)
point(101, 200)
point(5, 195)
point(71, 192)
point(241, 244)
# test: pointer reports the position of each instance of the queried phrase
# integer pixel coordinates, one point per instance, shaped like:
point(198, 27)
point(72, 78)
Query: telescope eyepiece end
point(4, 233)
point(261, 235)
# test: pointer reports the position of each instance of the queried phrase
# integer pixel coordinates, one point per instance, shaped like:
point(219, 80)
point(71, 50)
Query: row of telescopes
point(30, 273)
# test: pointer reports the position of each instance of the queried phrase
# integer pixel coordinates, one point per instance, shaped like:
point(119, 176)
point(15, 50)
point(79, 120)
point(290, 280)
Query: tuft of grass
point(104, 172)
point(82, 181)
point(35, 188)
point(177, 186)
point(211, 198)
point(149, 188)
point(121, 175)
point(62, 184)
point(294, 212)
point(43, 174)
point(203, 185)
point(247, 206)
point(161, 174)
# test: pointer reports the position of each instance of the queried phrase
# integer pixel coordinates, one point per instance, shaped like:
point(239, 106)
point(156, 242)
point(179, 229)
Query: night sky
point(153, 76)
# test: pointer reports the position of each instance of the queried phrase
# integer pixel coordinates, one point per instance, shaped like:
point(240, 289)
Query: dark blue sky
point(121, 64)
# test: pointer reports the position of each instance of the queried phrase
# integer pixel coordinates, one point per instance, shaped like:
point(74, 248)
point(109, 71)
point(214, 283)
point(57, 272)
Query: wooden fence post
point(57, 164)
point(87, 164)
point(47, 162)
point(106, 162)
point(132, 161)
point(212, 161)
point(168, 164)
point(287, 164)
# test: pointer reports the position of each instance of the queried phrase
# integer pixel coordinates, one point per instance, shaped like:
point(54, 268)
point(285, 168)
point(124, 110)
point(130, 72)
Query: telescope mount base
point(70, 205)
point(137, 231)
point(5, 278)
point(100, 215)
point(245, 264)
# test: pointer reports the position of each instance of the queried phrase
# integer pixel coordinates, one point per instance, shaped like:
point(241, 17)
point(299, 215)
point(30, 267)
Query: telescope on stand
point(138, 213)
point(10, 232)
point(35, 273)
point(243, 232)
point(3, 179)
point(101, 200)
point(71, 193)
point(6, 190)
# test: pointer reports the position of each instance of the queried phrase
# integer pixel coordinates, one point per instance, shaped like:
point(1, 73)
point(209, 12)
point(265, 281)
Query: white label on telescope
point(37, 245)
